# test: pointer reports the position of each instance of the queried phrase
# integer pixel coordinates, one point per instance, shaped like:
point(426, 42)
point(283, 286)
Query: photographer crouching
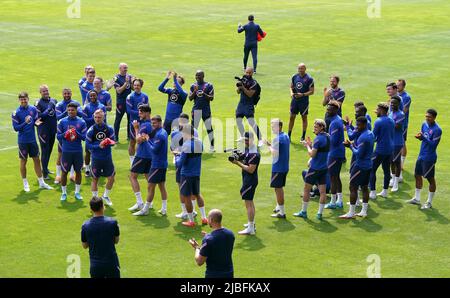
point(249, 91)
point(248, 161)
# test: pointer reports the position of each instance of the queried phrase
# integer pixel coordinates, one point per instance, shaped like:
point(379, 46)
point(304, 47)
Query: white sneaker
point(260, 143)
point(391, 182)
point(45, 186)
point(413, 201)
point(136, 207)
point(211, 149)
point(163, 212)
point(182, 215)
point(246, 226)
point(247, 231)
point(383, 193)
point(361, 214)
point(141, 212)
point(347, 215)
point(427, 205)
point(26, 187)
point(373, 195)
point(394, 188)
point(107, 201)
point(400, 179)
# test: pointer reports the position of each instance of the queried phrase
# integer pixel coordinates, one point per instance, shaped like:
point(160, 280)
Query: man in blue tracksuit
point(88, 116)
point(87, 69)
point(383, 130)
point(248, 89)
point(362, 150)
point(399, 119)
point(176, 99)
point(251, 40)
point(202, 93)
point(98, 142)
point(122, 84)
point(337, 153)
point(279, 148)
point(61, 112)
point(190, 163)
point(71, 131)
point(430, 136)
point(47, 130)
point(134, 100)
point(23, 121)
point(87, 86)
point(406, 100)
point(103, 96)
point(157, 175)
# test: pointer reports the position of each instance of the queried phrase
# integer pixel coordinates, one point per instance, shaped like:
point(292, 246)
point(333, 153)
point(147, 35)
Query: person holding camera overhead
point(249, 91)
point(248, 162)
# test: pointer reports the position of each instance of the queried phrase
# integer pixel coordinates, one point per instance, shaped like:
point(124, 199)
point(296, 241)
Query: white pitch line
point(8, 148)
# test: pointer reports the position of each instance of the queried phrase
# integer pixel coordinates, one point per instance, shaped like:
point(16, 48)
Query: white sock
point(106, 193)
point(395, 182)
point(41, 180)
point(164, 205)
point(183, 208)
point(138, 198)
point(430, 197)
point(321, 206)
point(417, 196)
point(333, 198)
point(365, 206)
point(277, 207)
point(352, 209)
point(64, 189)
point(147, 206)
point(202, 211)
point(191, 217)
point(305, 206)
point(193, 207)
point(131, 159)
point(339, 197)
point(77, 188)
point(281, 208)
point(25, 181)
point(251, 225)
point(95, 193)
point(58, 171)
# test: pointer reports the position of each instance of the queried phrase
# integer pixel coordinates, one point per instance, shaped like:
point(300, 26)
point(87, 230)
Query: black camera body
point(236, 154)
point(240, 81)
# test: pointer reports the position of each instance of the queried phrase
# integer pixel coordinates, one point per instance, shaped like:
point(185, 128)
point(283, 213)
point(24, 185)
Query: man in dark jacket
point(251, 40)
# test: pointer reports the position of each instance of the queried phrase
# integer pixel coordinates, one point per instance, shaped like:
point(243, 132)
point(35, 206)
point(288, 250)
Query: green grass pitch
point(411, 40)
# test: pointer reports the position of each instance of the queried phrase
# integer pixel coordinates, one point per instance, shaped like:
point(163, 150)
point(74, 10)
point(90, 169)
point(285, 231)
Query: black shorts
point(405, 134)
point(69, 159)
point(299, 106)
point(335, 165)
point(318, 177)
point(157, 175)
point(141, 165)
point(425, 168)
point(396, 156)
point(28, 149)
point(359, 177)
point(102, 168)
point(190, 186)
point(177, 175)
point(105, 271)
point(278, 179)
point(248, 192)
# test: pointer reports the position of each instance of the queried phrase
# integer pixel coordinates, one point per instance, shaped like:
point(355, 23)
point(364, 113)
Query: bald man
point(46, 107)
point(302, 86)
point(122, 84)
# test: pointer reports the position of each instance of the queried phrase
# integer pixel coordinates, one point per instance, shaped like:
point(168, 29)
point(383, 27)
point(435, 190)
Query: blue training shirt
point(431, 136)
point(383, 131)
point(217, 247)
point(134, 100)
point(26, 132)
point(158, 147)
point(144, 150)
point(406, 100)
point(47, 113)
point(85, 88)
point(200, 101)
point(176, 98)
point(119, 80)
point(322, 145)
point(251, 33)
point(399, 120)
point(96, 134)
point(336, 132)
point(80, 127)
point(302, 85)
point(281, 144)
point(363, 150)
point(61, 108)
point(190, 159)
point(89, 110)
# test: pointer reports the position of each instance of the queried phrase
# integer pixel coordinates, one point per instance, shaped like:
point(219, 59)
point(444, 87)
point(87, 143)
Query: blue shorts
point(168, 126)
point(157, 175)
point(248, 192)
point(59, 147)
point(425, 168)
point(190, 186)
point(359, 177)
point(335, 165)
point(318, 177)
point(69, 159)
point(131, 131)
point(396, 156)
point(278, 179)
point(405, 134)
point(245, 111)
point(141, 165)
point(299, 106)
point(102, 168)
point(28, 149)
point(177, 175)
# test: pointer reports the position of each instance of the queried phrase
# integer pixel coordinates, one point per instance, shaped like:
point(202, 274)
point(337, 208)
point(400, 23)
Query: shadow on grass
point(121, 146)
point(323, 226)
point(250, 243)
point(435, 215)
point(25, 197)
point(282, 225)
point(186, 233)
point(154, 220)
point(110, 211)
point(387, 203)
point(72, 206)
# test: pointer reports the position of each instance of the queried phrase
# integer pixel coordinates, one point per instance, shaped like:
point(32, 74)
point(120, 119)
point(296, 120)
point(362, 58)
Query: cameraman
point(249, 89)
point(249, 165)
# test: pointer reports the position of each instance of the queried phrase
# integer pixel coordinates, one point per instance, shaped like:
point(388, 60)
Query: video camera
point(240, 81)
point(236, 154)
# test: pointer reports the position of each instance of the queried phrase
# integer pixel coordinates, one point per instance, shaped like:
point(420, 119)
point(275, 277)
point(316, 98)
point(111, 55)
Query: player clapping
point(176, 99)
